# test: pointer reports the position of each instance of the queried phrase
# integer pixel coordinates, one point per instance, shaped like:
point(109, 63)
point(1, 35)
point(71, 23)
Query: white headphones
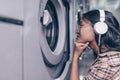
point(101, 27)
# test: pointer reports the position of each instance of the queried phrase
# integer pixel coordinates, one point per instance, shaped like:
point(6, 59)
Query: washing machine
point(46, 39)
point(34, 39)
point(11, 29)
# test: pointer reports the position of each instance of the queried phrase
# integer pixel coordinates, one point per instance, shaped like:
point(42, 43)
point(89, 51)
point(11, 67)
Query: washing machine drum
point(53, 36)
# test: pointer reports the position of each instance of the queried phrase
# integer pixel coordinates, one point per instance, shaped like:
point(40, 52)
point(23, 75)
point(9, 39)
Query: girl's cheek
point(87, 34)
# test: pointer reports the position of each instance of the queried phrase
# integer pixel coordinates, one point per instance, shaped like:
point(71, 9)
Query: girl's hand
point(79, 48)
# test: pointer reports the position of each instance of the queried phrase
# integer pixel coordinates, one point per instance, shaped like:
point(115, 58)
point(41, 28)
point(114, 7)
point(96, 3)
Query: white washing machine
point(45, 40)
point(11, 34)
point(35, 39)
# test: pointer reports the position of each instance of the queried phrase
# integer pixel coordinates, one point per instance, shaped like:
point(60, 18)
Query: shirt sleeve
point(101, 71)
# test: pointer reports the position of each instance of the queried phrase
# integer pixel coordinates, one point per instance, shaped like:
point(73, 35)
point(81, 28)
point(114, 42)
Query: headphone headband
point(102, 15)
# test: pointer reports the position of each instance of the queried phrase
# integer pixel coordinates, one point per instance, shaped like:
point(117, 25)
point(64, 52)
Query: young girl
point(99, 30)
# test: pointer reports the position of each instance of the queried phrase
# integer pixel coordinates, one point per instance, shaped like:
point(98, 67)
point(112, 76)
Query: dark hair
point(112, 38)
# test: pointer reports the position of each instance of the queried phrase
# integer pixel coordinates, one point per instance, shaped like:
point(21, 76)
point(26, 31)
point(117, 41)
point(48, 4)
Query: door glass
point(52, 29)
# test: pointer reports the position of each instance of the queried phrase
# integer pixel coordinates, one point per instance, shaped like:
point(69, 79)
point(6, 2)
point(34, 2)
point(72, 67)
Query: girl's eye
point(77, 33)
point(81, 24)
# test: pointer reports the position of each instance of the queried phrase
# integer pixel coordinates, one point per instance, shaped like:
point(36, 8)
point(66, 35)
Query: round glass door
point(52, 29)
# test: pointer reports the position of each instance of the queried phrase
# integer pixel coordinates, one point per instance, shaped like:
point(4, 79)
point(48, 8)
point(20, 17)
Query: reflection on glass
point(52, 29)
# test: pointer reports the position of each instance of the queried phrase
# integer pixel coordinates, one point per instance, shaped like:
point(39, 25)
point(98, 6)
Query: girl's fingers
point(81, 44)
point(80, 47)
point(85, 45)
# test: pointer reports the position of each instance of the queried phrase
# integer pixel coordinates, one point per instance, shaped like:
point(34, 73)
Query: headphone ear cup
point(100, 28)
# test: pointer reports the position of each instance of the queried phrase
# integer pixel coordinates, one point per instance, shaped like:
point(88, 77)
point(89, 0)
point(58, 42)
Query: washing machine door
point(53, 36)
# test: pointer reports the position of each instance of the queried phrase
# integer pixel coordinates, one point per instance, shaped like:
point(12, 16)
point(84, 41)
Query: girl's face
point(85, 33)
